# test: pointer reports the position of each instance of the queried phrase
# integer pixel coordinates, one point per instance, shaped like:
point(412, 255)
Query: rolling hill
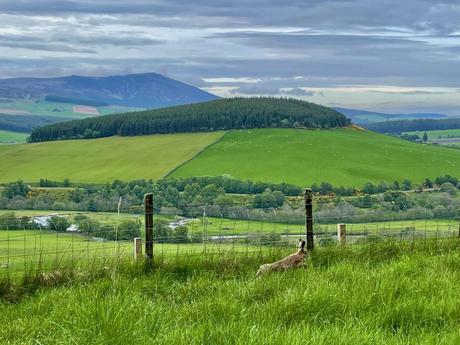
point(221, 114)
point(76, 97)
point(101, 160)
point(147, 90)
point(348, 157)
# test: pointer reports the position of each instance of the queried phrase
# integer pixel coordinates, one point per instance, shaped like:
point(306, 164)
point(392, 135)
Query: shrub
point(57, 223)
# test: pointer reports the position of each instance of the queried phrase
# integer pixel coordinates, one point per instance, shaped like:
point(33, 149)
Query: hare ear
point(301, 244)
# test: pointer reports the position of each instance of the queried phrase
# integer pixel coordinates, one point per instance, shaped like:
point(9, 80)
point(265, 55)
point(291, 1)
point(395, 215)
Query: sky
point(382, 55)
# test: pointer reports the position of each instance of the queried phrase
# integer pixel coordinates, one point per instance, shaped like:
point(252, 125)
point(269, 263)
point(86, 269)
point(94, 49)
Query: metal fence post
point(309, 218)
point(148, 205)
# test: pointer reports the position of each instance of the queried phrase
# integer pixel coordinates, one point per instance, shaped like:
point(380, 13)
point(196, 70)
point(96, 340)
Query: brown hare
point(295, 260)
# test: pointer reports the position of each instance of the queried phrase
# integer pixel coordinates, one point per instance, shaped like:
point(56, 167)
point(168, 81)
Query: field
point(438, 134)
point(23, 250)
point(382, 294)
point(65, 110)
point(7, 137)
point(346, 157)
point(101, 160)
point(449, 137)
point(229, 227)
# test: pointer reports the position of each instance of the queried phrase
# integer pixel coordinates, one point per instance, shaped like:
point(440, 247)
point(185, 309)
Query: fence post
point(309, 219)
point(342, 234)
point(148, 206)
point(137, 248)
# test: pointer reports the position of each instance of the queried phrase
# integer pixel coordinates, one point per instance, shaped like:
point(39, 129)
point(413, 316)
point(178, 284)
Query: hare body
point(295, 260)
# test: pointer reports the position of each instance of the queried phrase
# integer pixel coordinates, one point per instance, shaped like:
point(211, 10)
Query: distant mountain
point(366, 116)
point(148, 90)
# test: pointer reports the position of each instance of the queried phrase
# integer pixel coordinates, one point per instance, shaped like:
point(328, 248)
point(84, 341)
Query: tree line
point(221, 114)
point(398, 127)
point(25, 123)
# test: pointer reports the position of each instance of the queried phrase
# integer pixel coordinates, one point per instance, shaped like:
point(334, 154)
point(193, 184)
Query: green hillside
point(8, 137)
point(348, 157)
point(342, 157)
point(101, 160)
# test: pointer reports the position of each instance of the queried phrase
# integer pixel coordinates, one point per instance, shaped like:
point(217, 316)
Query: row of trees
point(222, 114)
point(398, 127)
point(167, 193)
point(125, 230)
point(188, 194)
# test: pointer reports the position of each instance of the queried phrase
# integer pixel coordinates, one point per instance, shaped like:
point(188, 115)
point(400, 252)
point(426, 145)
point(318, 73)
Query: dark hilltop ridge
point(146, 90)
point(221, 114)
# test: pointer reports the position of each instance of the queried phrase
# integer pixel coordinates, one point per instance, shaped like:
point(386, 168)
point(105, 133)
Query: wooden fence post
point(342, 234)
point(137, 248)
point(148, 204)
point(309, 218)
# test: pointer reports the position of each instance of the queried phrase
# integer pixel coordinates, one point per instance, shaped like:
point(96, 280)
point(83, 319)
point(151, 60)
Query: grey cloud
point(254, 89)
point(417, 92)
point(331, 42)
point(297, 91)
point(42, 46)
point(437, 16)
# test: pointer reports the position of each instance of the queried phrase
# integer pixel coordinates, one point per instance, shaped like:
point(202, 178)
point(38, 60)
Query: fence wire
point(41, 242)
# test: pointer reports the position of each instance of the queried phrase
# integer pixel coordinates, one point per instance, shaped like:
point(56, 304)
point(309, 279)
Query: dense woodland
point(398, 127)
point(220, 197)
point(222, 114)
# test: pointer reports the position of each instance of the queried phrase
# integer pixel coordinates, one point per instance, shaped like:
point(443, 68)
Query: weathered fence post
point(148, 204)
point(137, 248)
point(309, 218)
point(342, 234)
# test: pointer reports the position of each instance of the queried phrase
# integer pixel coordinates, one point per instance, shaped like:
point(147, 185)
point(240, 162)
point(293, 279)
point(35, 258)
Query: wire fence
point(40, 242)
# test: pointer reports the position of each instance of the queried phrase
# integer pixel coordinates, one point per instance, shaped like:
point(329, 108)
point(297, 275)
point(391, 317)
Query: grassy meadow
point(101, 160)
point(27, 250)
point(381, 294)
point(8, 137)
point(347, 157)
point(437, 134)
point(23, 250)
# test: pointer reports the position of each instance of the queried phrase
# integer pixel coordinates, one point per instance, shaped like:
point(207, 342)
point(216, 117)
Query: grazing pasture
point(347, 157)
point(101, 160)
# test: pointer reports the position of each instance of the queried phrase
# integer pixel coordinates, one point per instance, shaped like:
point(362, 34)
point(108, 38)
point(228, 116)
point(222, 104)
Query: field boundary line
point(180, 165)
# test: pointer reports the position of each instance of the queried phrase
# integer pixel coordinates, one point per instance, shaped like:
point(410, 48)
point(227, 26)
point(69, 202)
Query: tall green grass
point(391, 293)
